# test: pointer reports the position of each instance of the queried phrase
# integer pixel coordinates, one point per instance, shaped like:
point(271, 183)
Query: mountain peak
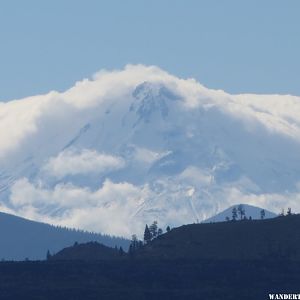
point(250, 211)
point(151, 98)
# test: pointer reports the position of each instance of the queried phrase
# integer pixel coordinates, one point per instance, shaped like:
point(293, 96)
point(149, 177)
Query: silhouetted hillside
point(229, 260)
point(276, 238)
point(21, 238)
point(134, 279)
point(87, 251)
point(257, 239)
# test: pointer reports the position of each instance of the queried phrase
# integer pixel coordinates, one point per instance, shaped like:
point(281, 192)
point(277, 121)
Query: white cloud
point(16, 122)
point(70, 162)
point(196, 176)
point(28, 123)
point(108, 209)
point(123, 208)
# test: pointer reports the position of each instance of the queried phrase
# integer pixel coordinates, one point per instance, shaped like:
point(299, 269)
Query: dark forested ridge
point(21, 238)
point(277, 238)
point(230, 260)
point(90, 251)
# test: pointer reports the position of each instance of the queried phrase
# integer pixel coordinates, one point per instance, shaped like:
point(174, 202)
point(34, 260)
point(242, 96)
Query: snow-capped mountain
point(128, 147)
point(249, 210)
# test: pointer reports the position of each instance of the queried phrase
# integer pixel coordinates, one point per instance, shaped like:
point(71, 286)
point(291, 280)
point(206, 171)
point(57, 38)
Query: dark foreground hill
point(276, 238)
point(148, 279)
point(200, 261)
point(21, 238)
point(90, 251)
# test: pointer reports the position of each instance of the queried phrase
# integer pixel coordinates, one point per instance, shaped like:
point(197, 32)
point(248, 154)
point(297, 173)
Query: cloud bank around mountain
point(32, 118)
point(110, 208)
point(106, 209)
point(142, 169)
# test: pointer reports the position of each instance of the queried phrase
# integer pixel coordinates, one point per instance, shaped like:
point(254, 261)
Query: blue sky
point(239, 46)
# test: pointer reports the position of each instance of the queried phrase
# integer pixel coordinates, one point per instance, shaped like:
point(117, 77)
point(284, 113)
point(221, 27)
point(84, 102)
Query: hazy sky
point(239, 46)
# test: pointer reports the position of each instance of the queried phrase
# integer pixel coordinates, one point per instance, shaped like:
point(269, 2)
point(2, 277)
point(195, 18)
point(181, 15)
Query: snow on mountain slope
point(250, 211)
point(130, 146)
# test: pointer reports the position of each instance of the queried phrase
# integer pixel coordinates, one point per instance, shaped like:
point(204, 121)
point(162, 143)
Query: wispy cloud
point(70, 162)
point(108, 209)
